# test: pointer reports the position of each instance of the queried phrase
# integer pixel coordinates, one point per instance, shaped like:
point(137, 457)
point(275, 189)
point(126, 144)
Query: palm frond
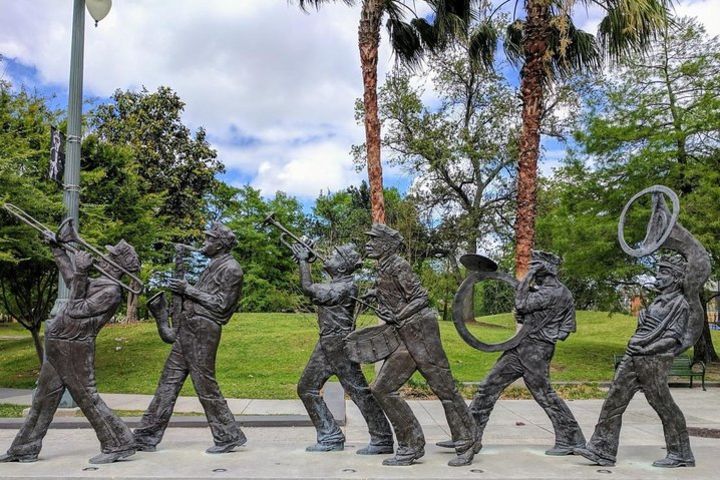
point(573, 50)
point(513, 42)
point(630, 26)
point(427, 32)
point(483, 42)
point(406, 43)
point(305, 5)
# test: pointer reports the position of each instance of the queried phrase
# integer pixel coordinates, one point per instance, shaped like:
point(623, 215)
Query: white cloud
point(263, 68)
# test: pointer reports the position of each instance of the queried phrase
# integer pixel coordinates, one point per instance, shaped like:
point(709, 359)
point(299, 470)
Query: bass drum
point(372, 344)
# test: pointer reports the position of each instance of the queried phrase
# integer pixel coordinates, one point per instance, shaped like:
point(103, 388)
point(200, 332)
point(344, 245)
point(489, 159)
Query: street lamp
point(71, 179)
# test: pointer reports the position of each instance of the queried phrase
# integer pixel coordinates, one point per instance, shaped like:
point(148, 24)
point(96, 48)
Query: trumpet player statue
point(667, 327)
point(403, 303)
point(207, 306)
point(546, 309)
point(336, 306)
point(70, 354)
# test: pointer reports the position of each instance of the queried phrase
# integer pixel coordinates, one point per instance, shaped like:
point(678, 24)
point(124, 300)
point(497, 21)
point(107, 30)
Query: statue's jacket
point(82, 318)
point(336, 305)
point(397, 286)
point(217, 291)
point(550, 310)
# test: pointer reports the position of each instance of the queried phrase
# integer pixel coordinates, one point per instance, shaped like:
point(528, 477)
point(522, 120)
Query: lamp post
point(71, 180)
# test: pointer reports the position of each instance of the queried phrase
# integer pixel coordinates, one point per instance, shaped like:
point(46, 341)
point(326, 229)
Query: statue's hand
point(300, 252)
point(386, 315)
point(49, 238)
point(83, 261)
point(177, 285)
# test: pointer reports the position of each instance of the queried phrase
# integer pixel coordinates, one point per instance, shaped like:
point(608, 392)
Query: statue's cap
point(549, 260)
point(124, 255)
point(218, 230)
point(674, 262)
point(383, 231)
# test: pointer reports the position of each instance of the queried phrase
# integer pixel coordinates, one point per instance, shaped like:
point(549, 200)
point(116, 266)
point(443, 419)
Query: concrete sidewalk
point(515, 439)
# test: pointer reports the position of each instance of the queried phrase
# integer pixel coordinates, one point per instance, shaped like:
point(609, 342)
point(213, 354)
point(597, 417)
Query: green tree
point(547, 45)
point(28, 277)
point(177, 164)
point(408, 41)
point(655, 121)
point(116, 204)
point(270, 282)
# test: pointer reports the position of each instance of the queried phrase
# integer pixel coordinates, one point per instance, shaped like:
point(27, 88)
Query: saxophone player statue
point(206, 307)
point(667, 327)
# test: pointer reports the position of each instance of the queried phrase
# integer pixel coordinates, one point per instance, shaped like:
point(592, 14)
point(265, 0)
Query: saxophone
point(158, 304)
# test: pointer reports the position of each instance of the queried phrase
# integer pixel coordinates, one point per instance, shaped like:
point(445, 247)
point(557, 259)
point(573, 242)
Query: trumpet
point(314, 255)
point(66, 236)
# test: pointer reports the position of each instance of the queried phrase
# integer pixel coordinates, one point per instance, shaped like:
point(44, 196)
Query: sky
point(274, 87)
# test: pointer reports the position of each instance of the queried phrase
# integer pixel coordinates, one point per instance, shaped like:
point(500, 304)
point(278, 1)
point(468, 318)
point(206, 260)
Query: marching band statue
point(667, 327)
point(70, 352)
point(546, 307)
point(336, 302)
point(207, 306)
point(403, 303)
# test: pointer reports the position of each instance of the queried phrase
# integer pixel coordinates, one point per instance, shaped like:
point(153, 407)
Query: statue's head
point(124, 255)
point(344, 260)
point(670, 272)
point(382, 241)
point(546, 263)
point(218, 239)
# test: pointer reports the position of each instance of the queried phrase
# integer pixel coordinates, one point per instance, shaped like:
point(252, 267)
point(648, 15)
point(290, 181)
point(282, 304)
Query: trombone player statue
point(206, 307)
point(70, 346)
point(666, 328)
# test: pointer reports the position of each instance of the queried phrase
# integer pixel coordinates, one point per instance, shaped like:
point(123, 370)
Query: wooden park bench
point(682, 366)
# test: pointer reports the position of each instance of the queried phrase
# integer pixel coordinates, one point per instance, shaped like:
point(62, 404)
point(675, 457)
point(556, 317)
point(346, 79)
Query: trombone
point(66, 235)
point(314, 255)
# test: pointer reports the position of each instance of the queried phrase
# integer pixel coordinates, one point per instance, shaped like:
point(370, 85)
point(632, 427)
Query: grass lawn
point(263, 354)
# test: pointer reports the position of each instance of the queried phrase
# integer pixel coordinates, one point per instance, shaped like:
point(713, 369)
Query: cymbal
point(478, 263)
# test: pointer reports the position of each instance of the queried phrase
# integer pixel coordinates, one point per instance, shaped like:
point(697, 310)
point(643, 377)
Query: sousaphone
point(664, 231)
point(481, 268)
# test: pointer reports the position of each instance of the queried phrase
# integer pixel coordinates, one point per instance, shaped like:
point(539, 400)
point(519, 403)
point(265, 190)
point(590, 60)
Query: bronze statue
point(336, 301)
point(404, 305)
point(206, 307)
point(545, 308)
point(70, 346)
point(666, 328)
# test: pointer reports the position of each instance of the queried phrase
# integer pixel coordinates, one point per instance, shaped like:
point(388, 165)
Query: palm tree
point(547, 45)
point(408, 39)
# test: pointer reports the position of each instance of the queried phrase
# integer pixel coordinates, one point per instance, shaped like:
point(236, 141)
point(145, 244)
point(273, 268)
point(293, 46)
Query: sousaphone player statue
point(667, 327)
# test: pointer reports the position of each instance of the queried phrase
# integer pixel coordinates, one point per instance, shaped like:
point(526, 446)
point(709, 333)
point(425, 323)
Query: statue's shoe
point(668, 462)
point(142, 447)
point(216, 449)
point(593, 457)
point(14, 457)
point(445, 444)
point(326, 447)
point(111, 457)
point(466, 458)
point(404, 459)
point(559, 451)
point(376, 449)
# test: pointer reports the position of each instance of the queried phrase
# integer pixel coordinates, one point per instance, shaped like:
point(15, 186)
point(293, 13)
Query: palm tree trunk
point(369, 41)
point(533, 76)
